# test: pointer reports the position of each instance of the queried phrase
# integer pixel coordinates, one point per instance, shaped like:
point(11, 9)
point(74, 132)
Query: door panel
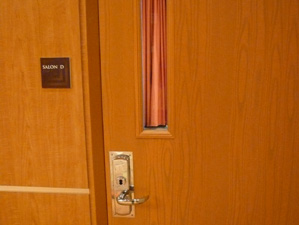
point(46, 209)
point(46, 135)
point(233, 157)
point(41, 130)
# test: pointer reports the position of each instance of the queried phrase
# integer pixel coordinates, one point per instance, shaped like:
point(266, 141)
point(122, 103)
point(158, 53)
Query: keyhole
point(121, 180)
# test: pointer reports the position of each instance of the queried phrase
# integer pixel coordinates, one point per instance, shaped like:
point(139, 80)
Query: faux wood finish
point(42, 132)
point(93, 109)
point(234, 157)
point(45, 209)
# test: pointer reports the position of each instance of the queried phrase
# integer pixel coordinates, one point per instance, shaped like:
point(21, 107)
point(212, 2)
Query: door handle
point(125, 198)
point(122, 185)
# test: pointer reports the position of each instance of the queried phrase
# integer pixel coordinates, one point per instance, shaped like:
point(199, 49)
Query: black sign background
point(55, 72)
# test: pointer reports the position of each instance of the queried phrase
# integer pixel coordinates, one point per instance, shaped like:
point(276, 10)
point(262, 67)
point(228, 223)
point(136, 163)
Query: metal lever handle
point(124, 198)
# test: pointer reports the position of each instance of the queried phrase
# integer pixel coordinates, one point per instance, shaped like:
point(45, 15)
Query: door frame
point(91, 72)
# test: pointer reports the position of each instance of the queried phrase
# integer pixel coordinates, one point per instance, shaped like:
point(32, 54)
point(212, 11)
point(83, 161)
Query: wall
point(46, 160)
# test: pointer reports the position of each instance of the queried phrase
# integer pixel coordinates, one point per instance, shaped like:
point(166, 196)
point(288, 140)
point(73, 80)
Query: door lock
point(121, 180)
point(122, 185)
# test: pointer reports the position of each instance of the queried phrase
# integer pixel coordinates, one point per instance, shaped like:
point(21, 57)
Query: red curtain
point(154, 62)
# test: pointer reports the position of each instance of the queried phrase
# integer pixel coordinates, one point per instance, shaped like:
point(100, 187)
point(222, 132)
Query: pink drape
point(154, 62)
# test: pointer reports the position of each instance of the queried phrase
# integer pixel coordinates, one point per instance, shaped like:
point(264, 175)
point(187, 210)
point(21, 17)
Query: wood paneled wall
point(44, 209)
point(47, 136)
point(42, 130)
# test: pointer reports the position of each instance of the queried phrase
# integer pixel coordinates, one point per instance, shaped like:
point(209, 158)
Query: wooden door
point(230, 155)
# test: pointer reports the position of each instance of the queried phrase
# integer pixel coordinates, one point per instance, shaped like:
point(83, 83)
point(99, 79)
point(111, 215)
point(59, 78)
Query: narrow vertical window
point(154, 63)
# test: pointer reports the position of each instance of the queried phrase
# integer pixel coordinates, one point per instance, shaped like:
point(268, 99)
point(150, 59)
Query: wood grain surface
point(90, 46)
point(42, 132)
point(44, 209)
point(234, 157)
point(45, 134)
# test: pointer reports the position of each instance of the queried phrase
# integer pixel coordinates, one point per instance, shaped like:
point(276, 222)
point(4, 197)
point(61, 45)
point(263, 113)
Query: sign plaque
point(55, 72)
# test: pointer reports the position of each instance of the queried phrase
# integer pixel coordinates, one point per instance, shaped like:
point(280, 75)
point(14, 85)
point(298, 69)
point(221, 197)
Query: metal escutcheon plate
point(121, 174)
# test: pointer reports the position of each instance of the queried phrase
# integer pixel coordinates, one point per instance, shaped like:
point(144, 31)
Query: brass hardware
point(122, 185)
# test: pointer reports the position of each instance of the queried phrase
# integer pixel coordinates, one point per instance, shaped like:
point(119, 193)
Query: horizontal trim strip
point(44, 190)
